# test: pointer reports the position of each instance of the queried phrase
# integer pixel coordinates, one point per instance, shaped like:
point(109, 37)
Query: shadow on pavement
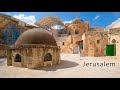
point(63, 64)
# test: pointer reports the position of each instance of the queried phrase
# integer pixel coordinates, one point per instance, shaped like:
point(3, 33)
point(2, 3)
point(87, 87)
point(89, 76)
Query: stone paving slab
point(71, 67)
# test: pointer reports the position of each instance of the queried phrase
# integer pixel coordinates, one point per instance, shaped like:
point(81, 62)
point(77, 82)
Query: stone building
point(10, 29)
point(2, 50)
point(33, 49)
point(94, 43)
point(63, 40)
point(114, 39)
point(96, 29)
point(69, 38)
point(77, 28)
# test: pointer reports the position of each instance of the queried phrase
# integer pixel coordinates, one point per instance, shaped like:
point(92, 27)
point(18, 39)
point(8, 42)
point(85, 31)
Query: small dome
point(36, 36)
point(77, 20)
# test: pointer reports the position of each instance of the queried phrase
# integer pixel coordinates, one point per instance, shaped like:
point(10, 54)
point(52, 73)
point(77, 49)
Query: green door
point(110, 50)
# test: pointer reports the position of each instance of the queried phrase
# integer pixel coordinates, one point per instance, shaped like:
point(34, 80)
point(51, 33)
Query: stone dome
point(77, 20)
point(36, 36)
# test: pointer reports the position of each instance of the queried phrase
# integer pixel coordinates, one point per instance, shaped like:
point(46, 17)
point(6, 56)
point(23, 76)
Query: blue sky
point(101, 19)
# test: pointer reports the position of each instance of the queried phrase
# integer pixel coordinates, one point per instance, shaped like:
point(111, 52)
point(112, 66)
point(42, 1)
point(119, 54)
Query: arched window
point(63, 43)
point(69, 33)
point(98, 41)
point(48, 57)
point(76, 32)
point(15, 34)
point(113, 41)
point(18, 58)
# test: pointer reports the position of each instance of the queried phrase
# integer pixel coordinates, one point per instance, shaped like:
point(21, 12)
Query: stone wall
point(114, 31)
point(94, 44)
point(81, 27)
point(32, 56)
point(2, 50)
point(77, 30)
point(114, 35)
point(116, 41)
point(96, 29)
point(69, 38)
point(64, 44)
point(63, 41)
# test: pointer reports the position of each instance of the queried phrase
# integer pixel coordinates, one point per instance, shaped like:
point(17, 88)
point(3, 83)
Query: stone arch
point(76, 31)
point(69, 33)
point(113, 41)
point(48, 57)
point(17, 58)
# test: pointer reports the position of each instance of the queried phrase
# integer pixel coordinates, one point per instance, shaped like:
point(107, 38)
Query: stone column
point(9, 56)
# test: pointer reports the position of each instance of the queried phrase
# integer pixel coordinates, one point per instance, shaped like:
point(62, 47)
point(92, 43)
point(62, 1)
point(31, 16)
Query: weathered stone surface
point(70, 37)
point(95, 43)
point(34, 54)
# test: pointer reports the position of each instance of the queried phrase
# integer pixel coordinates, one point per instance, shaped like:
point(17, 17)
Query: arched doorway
point(18, 58)
point(48, 57)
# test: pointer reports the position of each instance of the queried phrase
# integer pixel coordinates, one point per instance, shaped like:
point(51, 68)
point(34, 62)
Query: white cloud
point(67, 21)
point(57, 27)
point(30, 19)
point(96, 17)
point(8, 14)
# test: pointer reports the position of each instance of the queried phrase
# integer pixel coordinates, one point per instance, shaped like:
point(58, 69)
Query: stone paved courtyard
point(71, 67)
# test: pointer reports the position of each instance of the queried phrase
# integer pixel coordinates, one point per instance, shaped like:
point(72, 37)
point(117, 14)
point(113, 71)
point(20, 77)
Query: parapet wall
point(31, 46)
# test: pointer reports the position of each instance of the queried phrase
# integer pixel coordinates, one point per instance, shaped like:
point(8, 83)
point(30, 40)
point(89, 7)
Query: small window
point(18, 58)
point(69, 33)
point(76, 32)
point(48, 57)
point(91, 42)
point(113, 41)
point(98, 41)
point(62, 43)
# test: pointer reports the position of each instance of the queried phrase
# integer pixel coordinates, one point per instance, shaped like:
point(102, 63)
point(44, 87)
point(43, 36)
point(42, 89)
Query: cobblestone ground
point(71, 67)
